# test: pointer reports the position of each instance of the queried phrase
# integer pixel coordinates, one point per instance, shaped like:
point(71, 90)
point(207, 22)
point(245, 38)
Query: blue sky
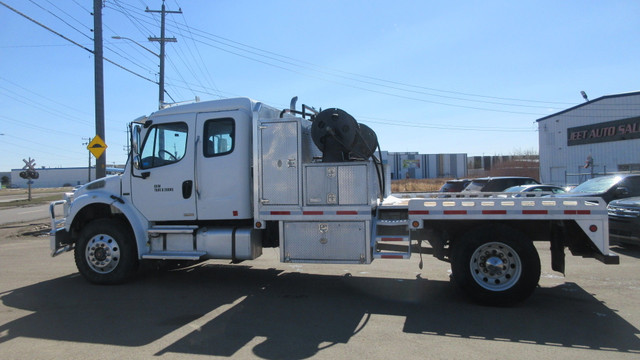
point(428, 76)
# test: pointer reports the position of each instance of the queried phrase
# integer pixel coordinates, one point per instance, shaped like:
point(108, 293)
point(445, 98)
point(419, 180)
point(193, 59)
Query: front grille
point(623, 211)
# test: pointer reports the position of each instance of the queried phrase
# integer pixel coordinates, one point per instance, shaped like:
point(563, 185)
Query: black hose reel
point(341, 138)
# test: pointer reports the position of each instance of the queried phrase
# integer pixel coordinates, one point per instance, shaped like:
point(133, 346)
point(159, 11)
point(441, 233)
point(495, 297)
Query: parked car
point(498, 184)
point(624, 220)
point(535, 188)
point(609, 187)
point(456, 185)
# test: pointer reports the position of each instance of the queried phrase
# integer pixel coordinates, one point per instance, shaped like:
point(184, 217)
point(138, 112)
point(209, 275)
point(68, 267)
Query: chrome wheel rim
point(495, 266)
point(102, 253)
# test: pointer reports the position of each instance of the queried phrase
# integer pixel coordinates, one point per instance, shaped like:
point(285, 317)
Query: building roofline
point(590, 102)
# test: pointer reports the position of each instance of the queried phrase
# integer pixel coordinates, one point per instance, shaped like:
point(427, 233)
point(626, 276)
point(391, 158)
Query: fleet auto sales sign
point(625, 129)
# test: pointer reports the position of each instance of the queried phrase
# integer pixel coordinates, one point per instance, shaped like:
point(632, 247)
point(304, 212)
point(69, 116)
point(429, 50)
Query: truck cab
point(193, 163)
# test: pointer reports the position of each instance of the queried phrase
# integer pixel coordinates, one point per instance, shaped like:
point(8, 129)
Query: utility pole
point(162, 40)
point(101, 161)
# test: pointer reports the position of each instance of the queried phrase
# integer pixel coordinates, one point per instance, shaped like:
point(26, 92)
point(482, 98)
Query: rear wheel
point(106, 252)
point(496, 265)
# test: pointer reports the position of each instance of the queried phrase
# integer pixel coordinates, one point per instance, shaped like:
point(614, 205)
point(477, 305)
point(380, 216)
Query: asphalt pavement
point(265, 309)
point(12, 215)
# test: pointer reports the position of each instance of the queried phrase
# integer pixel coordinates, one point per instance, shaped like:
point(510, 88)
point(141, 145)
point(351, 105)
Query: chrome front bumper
point(59, 239)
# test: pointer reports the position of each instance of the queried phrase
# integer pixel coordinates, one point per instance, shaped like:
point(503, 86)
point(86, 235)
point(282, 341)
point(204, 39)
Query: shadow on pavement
point(627, 249)
point(221, 308)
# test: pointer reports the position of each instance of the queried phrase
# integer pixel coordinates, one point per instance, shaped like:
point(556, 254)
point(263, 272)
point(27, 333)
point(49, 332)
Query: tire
point(106, 252)
point(495, 265)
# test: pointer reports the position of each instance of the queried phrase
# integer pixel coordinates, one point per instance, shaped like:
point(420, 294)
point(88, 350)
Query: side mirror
point(136, 162)
point(135, 138)
point(622, 191)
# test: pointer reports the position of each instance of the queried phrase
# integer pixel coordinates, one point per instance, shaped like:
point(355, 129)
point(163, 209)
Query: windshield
point(597, 185)
point(476, 185)
point(515, 189)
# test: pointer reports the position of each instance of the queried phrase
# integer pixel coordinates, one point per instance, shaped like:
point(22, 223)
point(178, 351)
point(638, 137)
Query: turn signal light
point(415, 224)
point(593, 228)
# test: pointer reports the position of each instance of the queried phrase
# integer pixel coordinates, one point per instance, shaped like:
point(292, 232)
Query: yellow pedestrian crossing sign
point(97, 146)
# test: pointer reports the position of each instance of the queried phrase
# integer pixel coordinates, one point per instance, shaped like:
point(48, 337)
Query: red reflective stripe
point(346, 212)
point(392, 239)
point(535, 212)
point(312, 213)
point(577, 212)
point(391, 256)
point(494, 212)
point(419, 212)
point(281, 213)
point(455, 212)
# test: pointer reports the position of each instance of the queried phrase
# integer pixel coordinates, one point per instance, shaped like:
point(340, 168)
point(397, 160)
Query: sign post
point(29, 173)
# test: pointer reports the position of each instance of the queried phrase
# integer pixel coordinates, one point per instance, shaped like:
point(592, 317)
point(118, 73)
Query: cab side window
point(165, 144)
point(219, 137)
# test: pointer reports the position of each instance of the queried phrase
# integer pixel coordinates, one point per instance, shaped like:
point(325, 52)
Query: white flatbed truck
point(224, 179)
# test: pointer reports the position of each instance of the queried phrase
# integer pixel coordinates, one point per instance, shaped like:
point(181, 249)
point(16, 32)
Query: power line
point(368, 80)
point(64, 12)
point(123, 11)
point(204, 67)
point(293, 61)
point(42, 96)
point(73, 42)
point(54, 112)
point(82, 6)
point(440, 126)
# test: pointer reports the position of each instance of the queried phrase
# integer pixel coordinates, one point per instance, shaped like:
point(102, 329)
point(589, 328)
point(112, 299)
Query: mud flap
point(557, 247)
point(60, 242)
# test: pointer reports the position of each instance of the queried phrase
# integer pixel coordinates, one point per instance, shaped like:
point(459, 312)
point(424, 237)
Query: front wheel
point(105, 252)
point(496, 265)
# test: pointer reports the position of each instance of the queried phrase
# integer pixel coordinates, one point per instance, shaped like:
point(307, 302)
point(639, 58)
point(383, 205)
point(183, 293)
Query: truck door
point(223, 165)
point(162, 187)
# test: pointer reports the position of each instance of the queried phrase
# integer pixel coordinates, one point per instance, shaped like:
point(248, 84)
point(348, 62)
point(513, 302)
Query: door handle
point(187, 188)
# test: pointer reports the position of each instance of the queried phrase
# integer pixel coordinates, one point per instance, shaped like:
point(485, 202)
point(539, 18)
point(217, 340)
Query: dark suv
point(609, 187)
point(624, 220)
point(456, 185)
point(498, 184)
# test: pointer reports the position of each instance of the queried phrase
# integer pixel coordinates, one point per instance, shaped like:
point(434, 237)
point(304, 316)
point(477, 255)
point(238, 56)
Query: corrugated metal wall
point(558, 158)
point(54, 177)
point(412, 165)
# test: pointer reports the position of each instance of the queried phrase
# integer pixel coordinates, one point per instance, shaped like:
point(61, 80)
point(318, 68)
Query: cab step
point(392, 240)
point(172, 242)
point(392, 247)
point(172, 229)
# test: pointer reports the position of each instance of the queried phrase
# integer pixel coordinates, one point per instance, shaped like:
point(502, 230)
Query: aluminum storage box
point(327, 242)
point(336, 184)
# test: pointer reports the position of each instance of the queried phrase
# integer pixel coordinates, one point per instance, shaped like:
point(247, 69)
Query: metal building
point(412, 165)
point(600, 136)
point(54, 177)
